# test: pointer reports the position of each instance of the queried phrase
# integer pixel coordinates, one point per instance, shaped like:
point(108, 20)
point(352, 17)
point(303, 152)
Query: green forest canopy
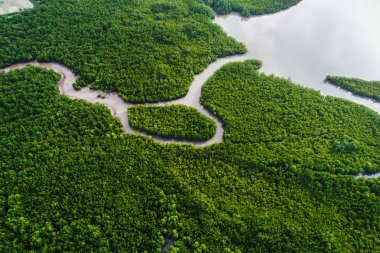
point(146, 51)
point(271, 120)
point(72, 180)
point(174, 121)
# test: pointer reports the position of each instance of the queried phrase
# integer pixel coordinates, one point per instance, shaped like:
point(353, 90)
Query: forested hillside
point(72, 181)
point(369, 89)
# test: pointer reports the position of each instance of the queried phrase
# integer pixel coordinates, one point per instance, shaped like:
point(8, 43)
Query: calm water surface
point(314, 39)
point(11, 6)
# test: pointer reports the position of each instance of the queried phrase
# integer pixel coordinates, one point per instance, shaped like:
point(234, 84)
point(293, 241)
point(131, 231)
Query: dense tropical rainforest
point(73, 181)
point(369, 89)
point(175, 121)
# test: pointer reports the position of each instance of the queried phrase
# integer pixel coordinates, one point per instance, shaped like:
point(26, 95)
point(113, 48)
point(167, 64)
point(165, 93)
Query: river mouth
point(314, 39)
point(12, 6)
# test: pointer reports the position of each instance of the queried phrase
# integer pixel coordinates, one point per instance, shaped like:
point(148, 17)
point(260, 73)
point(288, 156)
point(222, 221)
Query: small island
point(173, 121)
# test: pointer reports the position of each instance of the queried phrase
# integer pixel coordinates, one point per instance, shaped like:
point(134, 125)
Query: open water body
point(11, 6)
point(313, 39)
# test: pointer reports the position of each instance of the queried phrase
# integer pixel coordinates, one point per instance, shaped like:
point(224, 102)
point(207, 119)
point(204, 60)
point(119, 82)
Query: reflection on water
point(314, 39)
point(11, 6)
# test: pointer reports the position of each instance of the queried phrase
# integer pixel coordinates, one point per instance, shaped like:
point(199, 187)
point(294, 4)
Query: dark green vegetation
point(144, 50)
point(72, 181)
point(250, 7)
point(174, 121)
point(268, 120)
point(369, 89)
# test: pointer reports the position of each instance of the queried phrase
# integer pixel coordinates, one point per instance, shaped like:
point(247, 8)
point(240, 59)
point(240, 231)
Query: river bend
point(119, 107)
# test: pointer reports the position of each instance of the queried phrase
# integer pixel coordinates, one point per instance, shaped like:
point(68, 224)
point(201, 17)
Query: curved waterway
point(119, 108)
point(305, 43)
point(314, 39)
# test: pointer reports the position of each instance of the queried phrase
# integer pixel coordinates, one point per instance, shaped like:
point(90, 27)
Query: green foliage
point(174, 121)
point(286, 124)
point(250, 7)
point(369, 89)
point(72, 181)
point(143, 50)
point(58, 189)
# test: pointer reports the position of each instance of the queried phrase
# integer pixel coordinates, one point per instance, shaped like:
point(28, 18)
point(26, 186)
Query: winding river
point(307, 42)
point(119, 107)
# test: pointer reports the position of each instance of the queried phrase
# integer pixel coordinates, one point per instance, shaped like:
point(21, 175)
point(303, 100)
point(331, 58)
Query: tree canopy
point(286, 124)
point(175, 121)
point(71, 180)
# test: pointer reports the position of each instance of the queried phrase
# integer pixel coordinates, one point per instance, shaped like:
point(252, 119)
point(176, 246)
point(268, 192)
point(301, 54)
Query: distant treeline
point(285, 124)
